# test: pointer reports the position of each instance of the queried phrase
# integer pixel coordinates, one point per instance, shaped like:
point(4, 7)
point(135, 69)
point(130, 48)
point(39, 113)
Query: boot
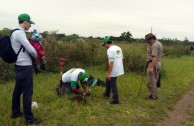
point(43, 67)
point(37, 70)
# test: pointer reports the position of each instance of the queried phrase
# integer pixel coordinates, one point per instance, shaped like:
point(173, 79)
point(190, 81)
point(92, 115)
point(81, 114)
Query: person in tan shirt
point(154, 66)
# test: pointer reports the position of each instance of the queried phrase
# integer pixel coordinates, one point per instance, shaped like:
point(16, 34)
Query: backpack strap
point(20, 50)
point(13, 31)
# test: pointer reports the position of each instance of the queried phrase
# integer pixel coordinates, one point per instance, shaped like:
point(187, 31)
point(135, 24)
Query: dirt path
point(179, 114)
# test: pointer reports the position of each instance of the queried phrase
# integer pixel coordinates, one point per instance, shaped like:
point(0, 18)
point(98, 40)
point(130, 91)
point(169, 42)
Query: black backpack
point(6, 51)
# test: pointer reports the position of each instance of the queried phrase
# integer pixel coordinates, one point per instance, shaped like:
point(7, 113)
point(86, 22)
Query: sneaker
point(114, 102)
point(14, 116)
point(106, 96)
point(150, 97)
point(33, 121)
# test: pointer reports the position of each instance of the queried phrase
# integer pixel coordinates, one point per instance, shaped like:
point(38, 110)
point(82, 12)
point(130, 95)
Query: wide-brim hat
point(149, 36)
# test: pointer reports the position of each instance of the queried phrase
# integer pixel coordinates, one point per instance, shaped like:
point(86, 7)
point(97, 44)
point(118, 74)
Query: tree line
point(125, 36)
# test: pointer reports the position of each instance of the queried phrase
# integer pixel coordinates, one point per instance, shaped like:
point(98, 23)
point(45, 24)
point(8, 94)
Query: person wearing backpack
point(35, 41)
point(23, 69)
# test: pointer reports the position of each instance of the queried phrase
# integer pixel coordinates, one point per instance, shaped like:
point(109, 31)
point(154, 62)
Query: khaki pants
point(153, 78)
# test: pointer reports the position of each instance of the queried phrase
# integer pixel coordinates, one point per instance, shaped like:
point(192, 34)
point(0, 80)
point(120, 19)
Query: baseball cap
point(25, 17)
point(83, 77)
point(105, 40)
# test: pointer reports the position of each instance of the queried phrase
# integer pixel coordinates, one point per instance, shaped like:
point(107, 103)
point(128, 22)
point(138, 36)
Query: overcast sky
point(169, 18)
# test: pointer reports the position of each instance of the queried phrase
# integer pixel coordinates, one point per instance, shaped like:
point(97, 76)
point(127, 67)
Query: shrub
point(82, 52)
point(6, 71)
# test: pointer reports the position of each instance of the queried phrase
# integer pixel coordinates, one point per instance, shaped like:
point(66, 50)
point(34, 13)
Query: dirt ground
point(179, 113)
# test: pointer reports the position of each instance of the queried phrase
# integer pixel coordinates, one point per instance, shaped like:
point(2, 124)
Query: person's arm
point(110, 69)
point(73, 86)
point(25, 43)
point(155, 49)
point(76, 90)
point(110, 55)
point(153, 63)
point(84, 87)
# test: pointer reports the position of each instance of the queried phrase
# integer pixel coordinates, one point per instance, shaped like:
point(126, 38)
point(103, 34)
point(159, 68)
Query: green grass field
point(177, 78)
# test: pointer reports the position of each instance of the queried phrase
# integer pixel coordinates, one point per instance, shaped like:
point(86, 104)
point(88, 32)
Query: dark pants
point(112, 85)
point(24, 85)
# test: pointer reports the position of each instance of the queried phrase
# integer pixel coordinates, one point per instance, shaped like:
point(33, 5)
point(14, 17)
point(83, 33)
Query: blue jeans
point(24, 85)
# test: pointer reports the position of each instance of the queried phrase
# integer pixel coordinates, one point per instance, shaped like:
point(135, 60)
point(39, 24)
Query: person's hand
point(84, 93)
point(88, 92)
point(108, 77)
point(151, 70)
point(148, 50)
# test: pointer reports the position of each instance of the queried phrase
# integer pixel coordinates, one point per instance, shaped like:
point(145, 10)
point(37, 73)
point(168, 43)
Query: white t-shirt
point(72, 75)
point(115, 54)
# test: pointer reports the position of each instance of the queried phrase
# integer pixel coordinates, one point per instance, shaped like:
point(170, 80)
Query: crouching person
point(70, 81)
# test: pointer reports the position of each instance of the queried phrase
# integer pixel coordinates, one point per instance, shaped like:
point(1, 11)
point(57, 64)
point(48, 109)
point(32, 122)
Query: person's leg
point(43, 64)
point(158, 75)
point(67, 87)
point(101, 83)
point(107, 91)
point(158, 84)
point(36, 70)
point(151, 83)
point(17, 93)
point(27, 86)
point(191, 52)
point(114, 89)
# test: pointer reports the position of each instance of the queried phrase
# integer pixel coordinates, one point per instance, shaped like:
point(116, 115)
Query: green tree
point(5, 31)
point(126, 36)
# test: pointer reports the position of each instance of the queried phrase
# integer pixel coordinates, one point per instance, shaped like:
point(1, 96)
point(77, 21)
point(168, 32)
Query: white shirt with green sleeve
point(72, 76)
point(115, 55)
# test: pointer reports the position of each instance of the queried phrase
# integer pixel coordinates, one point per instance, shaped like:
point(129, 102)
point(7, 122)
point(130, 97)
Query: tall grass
point(176, 50)
point(6, 72)
point(82, 52)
